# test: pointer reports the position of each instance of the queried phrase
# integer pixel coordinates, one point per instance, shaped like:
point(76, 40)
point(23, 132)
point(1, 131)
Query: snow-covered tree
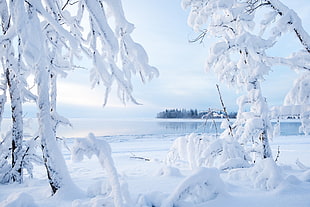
point(244, 31)
point(11, 71)
point(107, 42)
point(50, 35)
point(299, 98)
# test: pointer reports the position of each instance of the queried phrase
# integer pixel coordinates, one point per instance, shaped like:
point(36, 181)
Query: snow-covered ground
point(147, 181)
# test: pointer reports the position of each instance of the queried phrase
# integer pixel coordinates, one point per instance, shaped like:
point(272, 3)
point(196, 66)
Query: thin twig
point(68, 3)
point(224, 109)
point(200, 37)
point(133, 156)
point(278, 154)
point(141, 158)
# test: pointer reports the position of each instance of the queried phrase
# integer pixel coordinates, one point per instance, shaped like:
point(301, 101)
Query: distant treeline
point(193, 114)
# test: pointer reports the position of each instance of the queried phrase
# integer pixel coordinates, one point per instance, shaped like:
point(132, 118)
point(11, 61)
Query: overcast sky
point(161, 27)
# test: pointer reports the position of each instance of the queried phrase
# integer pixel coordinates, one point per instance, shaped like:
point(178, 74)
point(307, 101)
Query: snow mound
point(202, 186)
point(265, 174)
point(94, 202)
point(151, 199)
point(98, 188)
point(18, 200)
point(306, 176)
point(202, 150)
point(169, 171)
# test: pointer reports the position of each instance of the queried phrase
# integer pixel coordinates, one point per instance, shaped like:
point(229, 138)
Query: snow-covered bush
point(299, 94)
point(28, 156)
point(203, 185)
point(202, 150)
point(264, 175)
point(100, 148)
point(31, 155)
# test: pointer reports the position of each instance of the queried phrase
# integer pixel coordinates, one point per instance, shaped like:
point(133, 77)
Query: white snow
point(18, 199)
point(151, 182)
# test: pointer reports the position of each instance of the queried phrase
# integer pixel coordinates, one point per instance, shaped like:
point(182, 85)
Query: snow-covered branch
point(101, 149)
point(293, 20)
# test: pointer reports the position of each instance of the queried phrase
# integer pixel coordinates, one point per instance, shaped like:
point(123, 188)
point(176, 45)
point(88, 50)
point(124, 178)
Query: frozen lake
point(112, 127)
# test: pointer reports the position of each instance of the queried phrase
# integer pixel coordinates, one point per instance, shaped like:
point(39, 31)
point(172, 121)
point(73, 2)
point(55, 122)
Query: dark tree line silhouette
point(193, 114)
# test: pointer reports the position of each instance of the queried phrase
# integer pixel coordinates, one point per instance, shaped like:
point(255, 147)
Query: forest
point(194, 114)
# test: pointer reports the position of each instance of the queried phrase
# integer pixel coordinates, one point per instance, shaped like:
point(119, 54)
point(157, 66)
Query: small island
point(193, 114)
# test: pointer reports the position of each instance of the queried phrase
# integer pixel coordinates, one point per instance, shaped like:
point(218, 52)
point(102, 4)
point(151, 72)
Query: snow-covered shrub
point(203, 185)
point(299, 96)
point(31, 156)
point(28, 156)
point(264, 174)
point(100, 148)
point(202, 150)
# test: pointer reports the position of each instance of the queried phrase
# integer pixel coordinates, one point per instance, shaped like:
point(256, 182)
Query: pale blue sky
point(161, 27)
